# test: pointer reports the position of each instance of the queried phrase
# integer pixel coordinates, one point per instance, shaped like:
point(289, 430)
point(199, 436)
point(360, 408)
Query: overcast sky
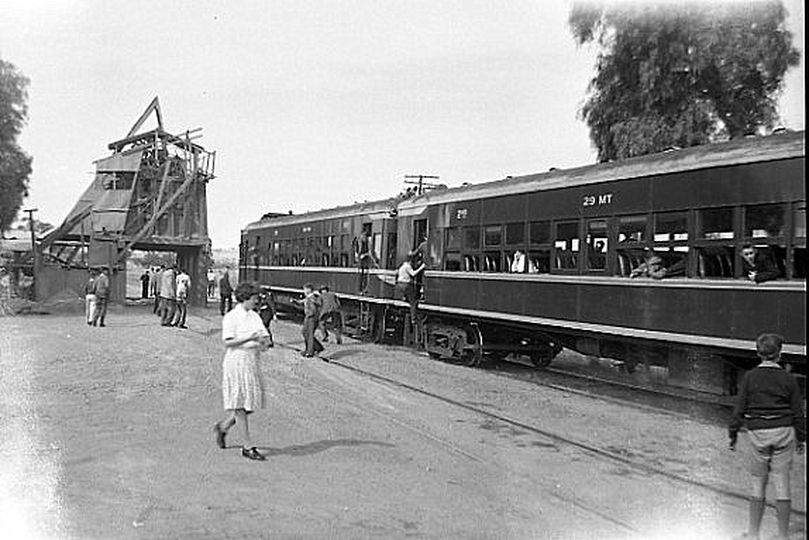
point(309, 104)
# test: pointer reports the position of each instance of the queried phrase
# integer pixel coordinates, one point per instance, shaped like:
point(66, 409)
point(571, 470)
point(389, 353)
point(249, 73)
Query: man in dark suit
point(759, 265)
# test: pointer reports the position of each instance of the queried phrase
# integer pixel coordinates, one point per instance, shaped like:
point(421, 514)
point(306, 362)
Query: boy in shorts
point(769, 404)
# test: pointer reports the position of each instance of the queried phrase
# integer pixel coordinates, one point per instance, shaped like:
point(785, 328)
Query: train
point(581, 235)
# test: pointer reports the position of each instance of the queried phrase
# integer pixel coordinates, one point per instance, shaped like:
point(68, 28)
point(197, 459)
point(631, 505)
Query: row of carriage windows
point(332, 250)
point(700, 243)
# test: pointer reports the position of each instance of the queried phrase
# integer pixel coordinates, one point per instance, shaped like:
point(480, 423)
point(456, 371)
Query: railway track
point(557, 437)
point(706, 408)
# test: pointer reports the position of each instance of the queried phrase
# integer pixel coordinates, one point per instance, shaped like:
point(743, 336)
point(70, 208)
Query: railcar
point(530, 264)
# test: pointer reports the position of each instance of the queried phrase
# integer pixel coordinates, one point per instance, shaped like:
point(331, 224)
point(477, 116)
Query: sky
point(310, 103)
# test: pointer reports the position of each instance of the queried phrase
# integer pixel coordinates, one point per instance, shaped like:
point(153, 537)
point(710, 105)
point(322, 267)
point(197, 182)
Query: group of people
point(768, 410)
point(97, 296)
point(321, 310)
point(170, 286)
point(759, 266)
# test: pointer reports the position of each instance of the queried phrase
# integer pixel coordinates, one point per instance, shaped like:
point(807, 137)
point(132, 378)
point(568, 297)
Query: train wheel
point(543, 358)
point(473, 351)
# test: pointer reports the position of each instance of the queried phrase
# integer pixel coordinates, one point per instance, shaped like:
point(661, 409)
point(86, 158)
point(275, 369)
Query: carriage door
point(419, 232)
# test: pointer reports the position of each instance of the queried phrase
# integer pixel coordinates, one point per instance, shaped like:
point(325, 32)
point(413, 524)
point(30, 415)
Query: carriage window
point(631, 234)
point(492, 235)
point(799, 221)
point(515, 233)
point(491, 261)
point(452, 262)
point(764, 221)
point(567, 245)
point(330, 241)
point(799, 249)
point(453, 238)
point(716, 261)
point(540, 232)
point(472, 237)
point(471, 263)
point(715, 223)
point(391, 256)
point(631, 229)
point(671, 226)
point(539, 261)
point(597, 244)
point(377, 248)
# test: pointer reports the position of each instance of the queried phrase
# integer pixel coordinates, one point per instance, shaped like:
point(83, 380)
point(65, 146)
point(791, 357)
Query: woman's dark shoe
point(220, 436)
point(252, 453)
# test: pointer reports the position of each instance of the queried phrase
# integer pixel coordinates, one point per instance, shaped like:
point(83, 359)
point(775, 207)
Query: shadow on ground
point(317, 447)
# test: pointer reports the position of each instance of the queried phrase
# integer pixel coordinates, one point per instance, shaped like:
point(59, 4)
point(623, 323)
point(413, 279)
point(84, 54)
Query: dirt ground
point(105, 433)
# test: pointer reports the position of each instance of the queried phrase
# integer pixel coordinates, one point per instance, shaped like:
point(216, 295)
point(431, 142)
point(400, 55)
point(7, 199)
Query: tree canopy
point(15, 164)
point(681, 74)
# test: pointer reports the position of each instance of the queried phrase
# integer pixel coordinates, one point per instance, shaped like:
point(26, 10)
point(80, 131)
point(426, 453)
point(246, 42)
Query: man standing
point(406, 285)
point(168, 296)
point(101, 287)
point(157, 277)
point(311, 316)
point(225, 292)
point(211, 276)
point(144, 284)
point(183, 283)
point(364, 259)
point(770, 406)
point(330, 314)
point(90, 297)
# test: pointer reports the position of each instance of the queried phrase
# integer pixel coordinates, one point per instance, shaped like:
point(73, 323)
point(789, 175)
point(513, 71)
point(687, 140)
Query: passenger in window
point(518, 263)
point(652, 267)
point(677, 269)
point(759, 265)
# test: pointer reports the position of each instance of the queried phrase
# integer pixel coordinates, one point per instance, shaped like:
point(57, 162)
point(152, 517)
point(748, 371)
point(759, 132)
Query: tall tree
point(681, 74)
point(15, 164)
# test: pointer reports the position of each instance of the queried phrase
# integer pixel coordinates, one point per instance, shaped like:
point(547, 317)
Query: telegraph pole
point(30, 213)
point(411, 179)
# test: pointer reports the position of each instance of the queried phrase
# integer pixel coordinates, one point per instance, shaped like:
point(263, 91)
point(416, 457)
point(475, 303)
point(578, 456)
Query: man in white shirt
point(518, 264)
point(183, 283)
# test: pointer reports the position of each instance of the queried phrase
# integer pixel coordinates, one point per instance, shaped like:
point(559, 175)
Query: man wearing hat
point(770, 406)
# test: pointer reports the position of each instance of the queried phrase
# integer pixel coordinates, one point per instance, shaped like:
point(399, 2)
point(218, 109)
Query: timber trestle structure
point(149, 195)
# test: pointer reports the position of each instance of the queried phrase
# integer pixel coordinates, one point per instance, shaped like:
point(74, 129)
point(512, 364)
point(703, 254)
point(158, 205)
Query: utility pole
point(411, 179)
point(30, 213)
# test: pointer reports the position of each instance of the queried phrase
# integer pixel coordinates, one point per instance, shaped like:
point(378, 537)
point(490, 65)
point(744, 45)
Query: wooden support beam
point(65, 227)
point(153, 106)
point(157, 215)
point(163, 183)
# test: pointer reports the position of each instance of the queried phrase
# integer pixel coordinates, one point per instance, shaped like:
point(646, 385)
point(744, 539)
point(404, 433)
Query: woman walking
point(242, 387)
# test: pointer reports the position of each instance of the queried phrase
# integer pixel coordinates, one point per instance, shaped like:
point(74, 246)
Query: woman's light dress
point(242, 383)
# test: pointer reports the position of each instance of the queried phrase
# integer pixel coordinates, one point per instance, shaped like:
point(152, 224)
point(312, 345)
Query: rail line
point(672, 399)
point(452, 447)
point(727, 492)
